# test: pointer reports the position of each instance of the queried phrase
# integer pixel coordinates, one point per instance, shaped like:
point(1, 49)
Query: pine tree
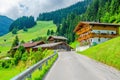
point(25, 29)
point(52, 32)
point(15, 42)
point(48, 32)
point(14, 31)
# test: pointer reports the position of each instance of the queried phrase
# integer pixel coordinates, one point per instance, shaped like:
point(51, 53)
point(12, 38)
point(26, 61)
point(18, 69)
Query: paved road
point(72, 66)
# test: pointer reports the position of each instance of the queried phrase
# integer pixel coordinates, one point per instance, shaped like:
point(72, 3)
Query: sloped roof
point(94, 23)
point(31, 44)
point(97, 23)
point(57, 37)
point(48, 45)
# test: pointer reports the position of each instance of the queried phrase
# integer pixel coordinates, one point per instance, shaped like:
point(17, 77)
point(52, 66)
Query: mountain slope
point(103, 11)
point(107, 52)
point(5, 23)
point(37, 31)
point(58, 15)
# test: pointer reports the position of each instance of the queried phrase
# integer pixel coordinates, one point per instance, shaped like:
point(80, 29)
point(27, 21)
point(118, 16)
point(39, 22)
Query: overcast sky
point(17, 8)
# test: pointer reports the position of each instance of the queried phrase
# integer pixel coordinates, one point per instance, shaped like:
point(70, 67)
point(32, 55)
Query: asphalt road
point(72, 66)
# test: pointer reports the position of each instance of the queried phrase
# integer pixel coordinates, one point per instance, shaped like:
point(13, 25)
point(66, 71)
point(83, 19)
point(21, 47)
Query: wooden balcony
point(92, 35)
point(83, 30)
point(85, 37)
point(104, 35)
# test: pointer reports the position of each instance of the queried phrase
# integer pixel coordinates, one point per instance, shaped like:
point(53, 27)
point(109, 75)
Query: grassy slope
point(75, 44)
point(39, 30)
point(20, 67)
point(107, 52)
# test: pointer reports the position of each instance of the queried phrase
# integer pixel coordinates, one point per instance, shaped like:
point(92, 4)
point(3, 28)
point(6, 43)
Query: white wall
point(97, 40)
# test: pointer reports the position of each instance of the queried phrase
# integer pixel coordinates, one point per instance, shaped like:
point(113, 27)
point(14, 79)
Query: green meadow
point(40, 30)
point(107, 52)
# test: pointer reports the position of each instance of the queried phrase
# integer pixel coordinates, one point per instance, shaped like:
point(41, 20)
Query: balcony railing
point(104, 35)
point(92, 35)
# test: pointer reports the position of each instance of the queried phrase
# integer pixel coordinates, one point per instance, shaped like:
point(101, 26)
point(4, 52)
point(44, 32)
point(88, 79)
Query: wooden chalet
point(53, 39)
point(91, 33)
point(54, 46)
point(29, 45)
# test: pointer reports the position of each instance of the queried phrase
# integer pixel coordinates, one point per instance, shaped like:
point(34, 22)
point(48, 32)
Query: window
point(112, 32)
point(99, 40)
point(98, 32)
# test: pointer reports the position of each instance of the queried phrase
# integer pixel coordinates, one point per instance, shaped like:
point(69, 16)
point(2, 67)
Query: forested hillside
point(22, 23)
point(58, 15)
point(103, 11)
point(98, 11)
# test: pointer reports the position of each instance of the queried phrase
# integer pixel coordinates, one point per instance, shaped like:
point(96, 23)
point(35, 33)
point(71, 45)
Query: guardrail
point(28, 72)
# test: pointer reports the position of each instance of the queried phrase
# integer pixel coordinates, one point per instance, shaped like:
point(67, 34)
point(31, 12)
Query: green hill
point(37, 31)
point(5, 23)
point(107, 52)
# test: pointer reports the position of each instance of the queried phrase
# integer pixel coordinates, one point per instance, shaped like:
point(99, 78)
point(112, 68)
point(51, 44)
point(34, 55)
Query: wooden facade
point(88, 32)
point(29, 45)
point(54, 46)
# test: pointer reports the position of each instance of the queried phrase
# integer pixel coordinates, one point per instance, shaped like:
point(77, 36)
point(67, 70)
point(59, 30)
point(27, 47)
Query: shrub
point(17, 57)
point(24, 56)
point(6, 63)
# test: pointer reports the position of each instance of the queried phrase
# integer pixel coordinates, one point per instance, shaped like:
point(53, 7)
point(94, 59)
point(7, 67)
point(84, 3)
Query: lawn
point(74, 44)
point(40, 30)
point(107, 52)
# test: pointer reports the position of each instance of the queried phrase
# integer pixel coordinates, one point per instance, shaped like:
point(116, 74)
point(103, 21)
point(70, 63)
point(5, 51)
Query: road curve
point(72, 66)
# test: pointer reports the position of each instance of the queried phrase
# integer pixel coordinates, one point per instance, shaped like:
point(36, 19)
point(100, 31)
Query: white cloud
point(17, 8)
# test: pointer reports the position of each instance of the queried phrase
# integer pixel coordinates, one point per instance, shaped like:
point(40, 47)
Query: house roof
point(57, 37)
point(31, 44)
point(94, 23)
point(49, 45)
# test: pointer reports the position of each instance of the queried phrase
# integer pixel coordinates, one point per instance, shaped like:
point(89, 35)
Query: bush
point(24, 56)
point(17, 57)
point(6, 63)
point(21, 49)
point(94, 44)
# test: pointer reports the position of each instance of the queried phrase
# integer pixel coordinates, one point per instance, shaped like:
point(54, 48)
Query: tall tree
point(48, 32)
point(15, 42)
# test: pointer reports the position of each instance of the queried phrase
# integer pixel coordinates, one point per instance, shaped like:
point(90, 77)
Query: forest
point(106, 11)
point(22, 23)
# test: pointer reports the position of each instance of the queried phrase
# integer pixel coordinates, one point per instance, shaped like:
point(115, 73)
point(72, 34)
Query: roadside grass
point(7, 74)
point(107, 52)
point(40, 30)
point(74, 44)
point(39, 74)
